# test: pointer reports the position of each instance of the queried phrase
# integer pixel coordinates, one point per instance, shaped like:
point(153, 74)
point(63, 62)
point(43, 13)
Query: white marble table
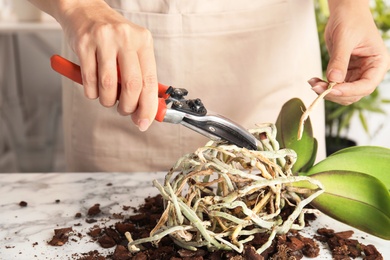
point(53, 199)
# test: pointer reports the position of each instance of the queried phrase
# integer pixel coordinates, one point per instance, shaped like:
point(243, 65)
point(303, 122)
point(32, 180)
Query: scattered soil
point(23, 204)
point(61, 236)
point(290, 246)
point(94, 210)
point(342, 245)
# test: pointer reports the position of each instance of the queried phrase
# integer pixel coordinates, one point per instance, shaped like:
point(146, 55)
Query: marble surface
point(53, 199)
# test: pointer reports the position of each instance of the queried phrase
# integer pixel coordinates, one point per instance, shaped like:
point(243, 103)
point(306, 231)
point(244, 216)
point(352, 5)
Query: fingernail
point(317, 89)
point(312, 81)
point(335, 76)
point(143, 125)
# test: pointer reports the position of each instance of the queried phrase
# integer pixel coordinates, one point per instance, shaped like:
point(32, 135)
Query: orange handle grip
point(66, 68)
point(73, 72)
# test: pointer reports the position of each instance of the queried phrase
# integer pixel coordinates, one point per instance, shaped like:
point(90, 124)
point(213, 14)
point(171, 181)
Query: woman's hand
point(103, 39)
point(359, 59)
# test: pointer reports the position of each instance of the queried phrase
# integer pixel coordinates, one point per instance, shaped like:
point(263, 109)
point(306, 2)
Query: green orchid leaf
point(371, 160)
point(357, 199)
point(312, 160)
point(287, 125)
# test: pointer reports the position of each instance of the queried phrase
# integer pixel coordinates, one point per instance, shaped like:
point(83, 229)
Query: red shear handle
point(161, 110)
point(73, 72)
point(66, 68)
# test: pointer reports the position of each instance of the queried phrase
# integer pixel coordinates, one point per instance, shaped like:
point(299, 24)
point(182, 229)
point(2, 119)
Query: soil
point(61, 236)
point(23, 204)
point(290, 246)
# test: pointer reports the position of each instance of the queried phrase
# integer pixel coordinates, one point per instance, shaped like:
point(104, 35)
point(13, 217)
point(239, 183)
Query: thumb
point(338, 63)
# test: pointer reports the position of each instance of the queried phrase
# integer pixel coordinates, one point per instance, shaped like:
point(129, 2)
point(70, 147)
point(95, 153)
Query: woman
point(244, 59)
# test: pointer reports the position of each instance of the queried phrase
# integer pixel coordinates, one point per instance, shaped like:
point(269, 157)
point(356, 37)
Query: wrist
point(347, 4)
point(60, 8)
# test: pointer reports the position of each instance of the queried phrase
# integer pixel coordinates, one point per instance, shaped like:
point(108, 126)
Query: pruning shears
point(174, 108)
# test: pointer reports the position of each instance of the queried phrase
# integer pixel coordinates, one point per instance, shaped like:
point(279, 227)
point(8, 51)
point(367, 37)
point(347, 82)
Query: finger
point(351, 92)
point(107, 76)
point(375, 70)
point(362, 87)
point(365, 84)
point(148, 101)
point(89, 73)
point(319, 86)
point(340, 54)
point(345, 101)
point(131, 82)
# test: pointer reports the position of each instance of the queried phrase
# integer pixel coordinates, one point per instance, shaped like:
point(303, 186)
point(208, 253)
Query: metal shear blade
point(192, 114)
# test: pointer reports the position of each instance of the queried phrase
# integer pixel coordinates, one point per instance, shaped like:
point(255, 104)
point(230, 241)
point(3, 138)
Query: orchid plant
point(221, 195)
point(356, 180)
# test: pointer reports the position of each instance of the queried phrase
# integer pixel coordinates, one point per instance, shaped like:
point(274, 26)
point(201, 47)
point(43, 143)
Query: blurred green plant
point(380, 11)
point(338, 117)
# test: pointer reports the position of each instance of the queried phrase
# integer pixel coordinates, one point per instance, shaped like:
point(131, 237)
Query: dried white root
point(221, 195)
point(306, 114)
point(132, 248)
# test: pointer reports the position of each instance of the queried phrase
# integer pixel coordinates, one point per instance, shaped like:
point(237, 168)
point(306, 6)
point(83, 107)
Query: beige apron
point(244, 59)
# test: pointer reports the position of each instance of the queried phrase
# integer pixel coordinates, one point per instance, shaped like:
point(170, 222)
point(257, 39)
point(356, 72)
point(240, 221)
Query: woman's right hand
point(103, 39)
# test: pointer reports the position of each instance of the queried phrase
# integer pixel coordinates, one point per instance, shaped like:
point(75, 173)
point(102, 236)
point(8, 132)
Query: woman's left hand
point(359, 58)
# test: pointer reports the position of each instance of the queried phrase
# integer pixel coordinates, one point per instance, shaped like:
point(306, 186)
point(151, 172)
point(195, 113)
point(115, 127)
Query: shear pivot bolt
point(178, 104)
